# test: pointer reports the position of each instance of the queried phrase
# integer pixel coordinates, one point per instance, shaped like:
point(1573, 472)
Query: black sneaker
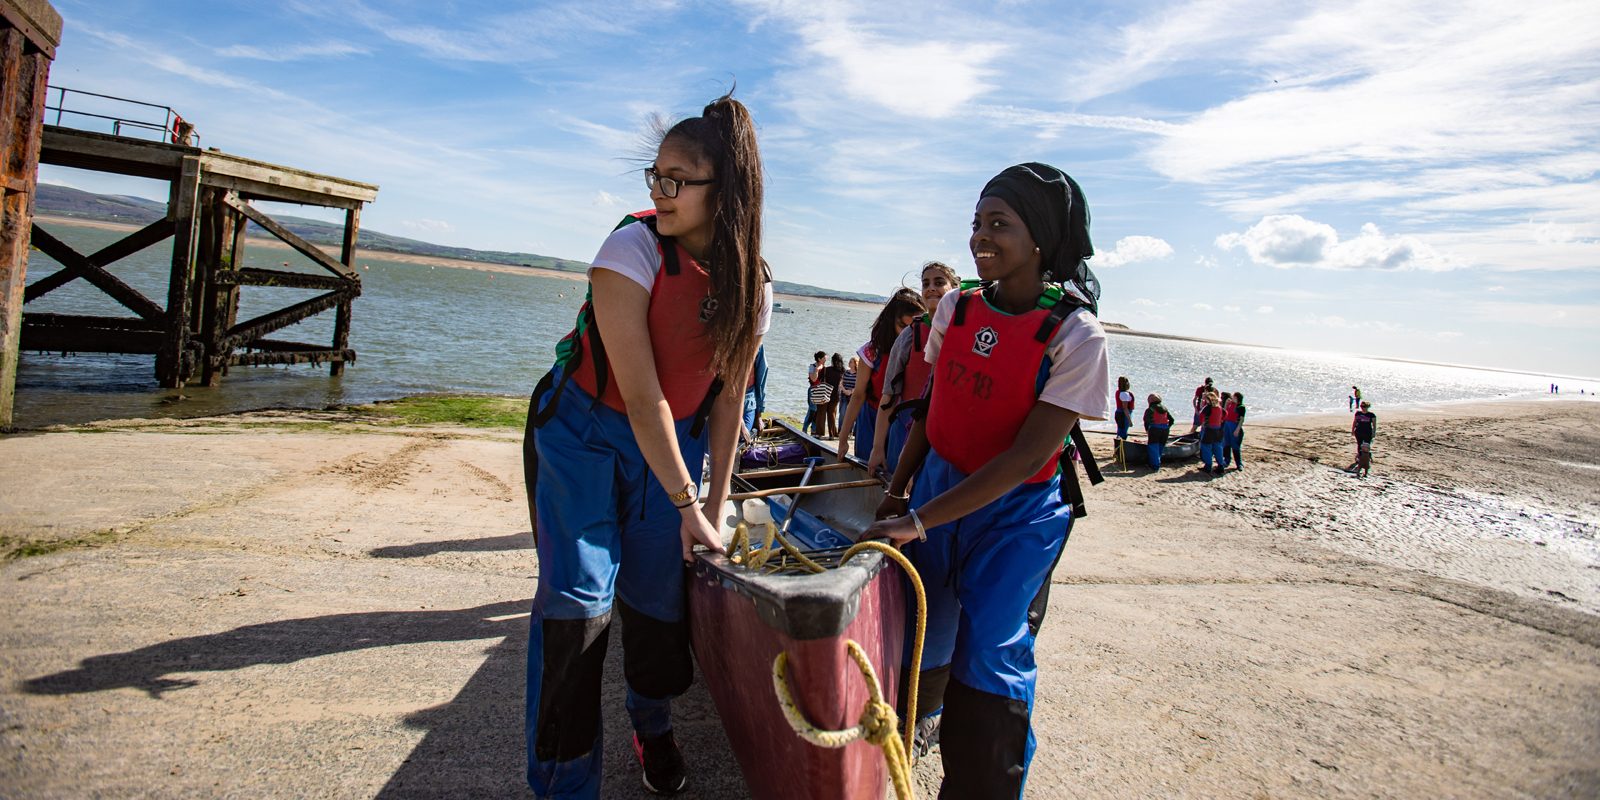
point(663, 763)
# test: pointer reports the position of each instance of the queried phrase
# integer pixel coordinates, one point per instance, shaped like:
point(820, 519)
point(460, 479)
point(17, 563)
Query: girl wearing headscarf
point(1017, 362)
point(678, 301)
point(906, 375)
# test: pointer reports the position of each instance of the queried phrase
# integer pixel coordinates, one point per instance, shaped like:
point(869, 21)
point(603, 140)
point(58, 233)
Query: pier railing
point(171, 127)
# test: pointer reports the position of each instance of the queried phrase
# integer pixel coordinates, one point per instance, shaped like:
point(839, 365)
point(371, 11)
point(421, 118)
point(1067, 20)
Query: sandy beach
point(314, 604)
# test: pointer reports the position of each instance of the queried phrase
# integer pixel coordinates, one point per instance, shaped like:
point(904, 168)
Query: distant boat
point(778, 308)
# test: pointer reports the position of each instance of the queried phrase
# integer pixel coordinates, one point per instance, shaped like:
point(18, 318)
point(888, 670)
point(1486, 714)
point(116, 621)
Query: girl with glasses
point(679, 299)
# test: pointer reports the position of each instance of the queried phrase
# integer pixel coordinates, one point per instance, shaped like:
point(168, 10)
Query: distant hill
point(65, 201)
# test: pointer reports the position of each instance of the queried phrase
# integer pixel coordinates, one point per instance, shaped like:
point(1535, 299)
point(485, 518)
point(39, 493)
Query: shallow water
point(419, 328)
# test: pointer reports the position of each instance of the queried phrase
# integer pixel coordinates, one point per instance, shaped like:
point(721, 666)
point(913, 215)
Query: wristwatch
point(685, 497)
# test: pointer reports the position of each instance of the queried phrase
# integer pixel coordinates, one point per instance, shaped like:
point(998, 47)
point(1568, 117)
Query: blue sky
point(1415, 180)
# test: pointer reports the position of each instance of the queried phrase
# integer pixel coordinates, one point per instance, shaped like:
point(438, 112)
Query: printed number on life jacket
point(973, 381)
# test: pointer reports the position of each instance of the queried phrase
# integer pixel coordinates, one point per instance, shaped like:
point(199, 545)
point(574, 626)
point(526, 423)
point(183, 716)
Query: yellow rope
point(877, 723)
point(878, 720)
point(742, 553)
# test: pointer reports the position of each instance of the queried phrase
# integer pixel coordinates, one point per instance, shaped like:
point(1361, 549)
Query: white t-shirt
point(631, 251)
point(1080, 369)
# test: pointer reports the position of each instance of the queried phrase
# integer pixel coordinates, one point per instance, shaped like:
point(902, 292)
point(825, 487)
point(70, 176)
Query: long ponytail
point(724, 136)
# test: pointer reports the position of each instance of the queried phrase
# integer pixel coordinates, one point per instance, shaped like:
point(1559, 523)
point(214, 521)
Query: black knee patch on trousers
point(569, 689)
point(1041, 599)
point(530, 466)
point(655, 654)
point(930, 690)
point(982, 741)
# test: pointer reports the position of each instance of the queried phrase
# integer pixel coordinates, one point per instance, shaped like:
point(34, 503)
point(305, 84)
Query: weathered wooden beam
point(43, 336)
point(281, 346)
point(296, 357)
point(347, 256)
point(172, 363)
point(52, 320)
point(281, 278)
point(39, 24)
point(289, 237)
point(102, 152)
point(267, 181)
point(242, 334)
point(70, 259)
point(252, 190)
point(149, 235)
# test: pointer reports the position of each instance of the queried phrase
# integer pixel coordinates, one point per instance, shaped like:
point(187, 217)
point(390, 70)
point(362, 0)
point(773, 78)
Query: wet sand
point(297, 604)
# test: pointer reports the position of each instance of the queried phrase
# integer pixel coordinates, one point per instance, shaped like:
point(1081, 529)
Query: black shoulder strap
point(669, 246)
point(703, 411)
point(960, 317)
point(1071, 490)
point(1052, 321)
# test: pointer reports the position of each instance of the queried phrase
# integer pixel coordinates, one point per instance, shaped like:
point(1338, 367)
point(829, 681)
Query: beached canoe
point(741, 619)
point(1179, 448)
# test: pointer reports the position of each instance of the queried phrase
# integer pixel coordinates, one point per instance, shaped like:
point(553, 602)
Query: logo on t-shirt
point(984, 341)
point(708, 308)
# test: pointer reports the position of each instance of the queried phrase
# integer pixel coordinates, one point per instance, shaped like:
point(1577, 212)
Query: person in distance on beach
point(1125, 407)
point(1199, 398)
point(1211, 416)
point(1365, 428)
point(1157, 425)
point(755, 398)
point(679, 299)
point(833, 375)
point(813, 376)
point(1233, 430)
point(1018, 360)
point(906, 377)
point(847, 388)
point(903, 307)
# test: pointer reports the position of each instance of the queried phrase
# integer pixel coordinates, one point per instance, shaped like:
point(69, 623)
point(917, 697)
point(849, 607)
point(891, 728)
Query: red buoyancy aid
point(678, 337)
point(1160, 418)
point(1213, 416)
point(915, 377)
point(1128, 404)
point(875, 379)
point(1232, 413)
point(985, 383)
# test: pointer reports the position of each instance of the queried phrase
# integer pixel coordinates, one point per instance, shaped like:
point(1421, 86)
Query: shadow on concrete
point(280, 642)
point(511, 541)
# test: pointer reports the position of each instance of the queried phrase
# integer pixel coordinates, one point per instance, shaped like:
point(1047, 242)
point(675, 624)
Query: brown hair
point(724, 136)
point(955, 280)
point(904, 301)
point(1122, 384)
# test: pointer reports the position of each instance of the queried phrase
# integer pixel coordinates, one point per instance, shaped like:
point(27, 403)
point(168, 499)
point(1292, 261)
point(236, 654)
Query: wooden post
point(341, 320)
point(29, 32)
point(172, 363)
point(213, 297)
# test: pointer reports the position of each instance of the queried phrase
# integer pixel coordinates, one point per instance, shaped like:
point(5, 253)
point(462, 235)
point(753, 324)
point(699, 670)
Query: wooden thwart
point(779, 473)
point(813, 489)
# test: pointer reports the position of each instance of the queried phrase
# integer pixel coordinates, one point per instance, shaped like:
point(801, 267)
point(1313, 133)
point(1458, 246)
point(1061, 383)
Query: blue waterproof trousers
point(866, 428)
point(607, 539)
point(983, 575)
point(899, 430)
point(1156, 449)
point(1232, 437)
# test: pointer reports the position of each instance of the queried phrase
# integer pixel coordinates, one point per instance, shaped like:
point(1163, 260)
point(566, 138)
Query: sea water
point(422, 328)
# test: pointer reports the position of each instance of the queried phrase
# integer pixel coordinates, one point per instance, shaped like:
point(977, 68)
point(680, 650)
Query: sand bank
point(285, 604)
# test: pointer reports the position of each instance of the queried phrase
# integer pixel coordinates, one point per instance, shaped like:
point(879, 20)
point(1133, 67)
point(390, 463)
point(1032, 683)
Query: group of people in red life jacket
point(1218, 417)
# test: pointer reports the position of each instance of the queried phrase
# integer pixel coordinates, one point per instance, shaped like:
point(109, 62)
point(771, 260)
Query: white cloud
point(426, 226)
point(1264, 309)
point(1290, 240)
point(1132, 250)
point(1231, 309)
point(607, 199)
point(1144, 301)
point(910, 74)
point(299, 52)
point(1495, 289)
point(1202, 306)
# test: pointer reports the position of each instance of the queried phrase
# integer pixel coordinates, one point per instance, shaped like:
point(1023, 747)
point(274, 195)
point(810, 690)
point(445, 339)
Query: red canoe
point(742, 619)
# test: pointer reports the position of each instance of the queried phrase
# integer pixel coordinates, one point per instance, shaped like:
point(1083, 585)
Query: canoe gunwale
point(806, 606)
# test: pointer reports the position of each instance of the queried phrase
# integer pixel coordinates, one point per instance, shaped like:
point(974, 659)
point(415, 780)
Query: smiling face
point(934, 285)
point(687, 216)
point(1001, 245)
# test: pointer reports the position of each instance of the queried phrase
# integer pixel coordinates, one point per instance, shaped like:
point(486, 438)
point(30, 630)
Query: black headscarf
point(1052, 206)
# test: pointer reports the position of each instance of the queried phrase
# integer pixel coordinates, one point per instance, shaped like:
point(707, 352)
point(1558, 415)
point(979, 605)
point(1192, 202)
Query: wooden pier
point(198, 335)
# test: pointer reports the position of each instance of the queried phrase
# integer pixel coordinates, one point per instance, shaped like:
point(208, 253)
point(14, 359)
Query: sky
point(1405, 179)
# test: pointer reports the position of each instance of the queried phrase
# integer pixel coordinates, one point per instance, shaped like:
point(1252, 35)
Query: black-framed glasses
point(669, 186)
